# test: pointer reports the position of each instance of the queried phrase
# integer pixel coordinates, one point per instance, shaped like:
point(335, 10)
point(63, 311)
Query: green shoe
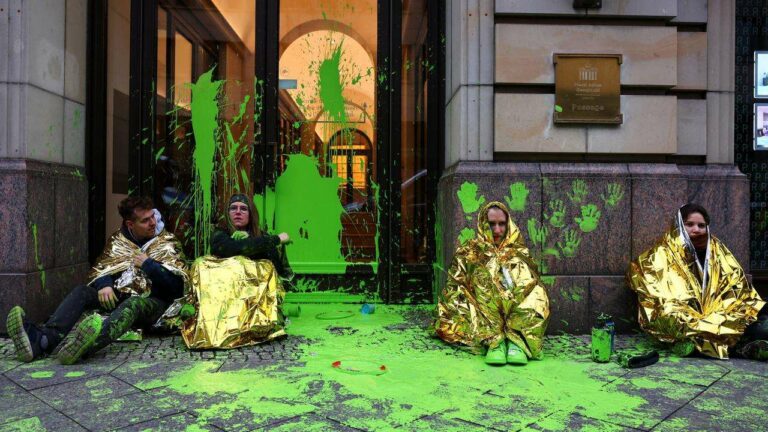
point(515, 355)
point(85, 335)
point(683, 348)
point(497, 355)
point(14, 325)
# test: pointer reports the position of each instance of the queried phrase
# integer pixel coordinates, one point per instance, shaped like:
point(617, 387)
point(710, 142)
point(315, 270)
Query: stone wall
point(584, 254)
point(43, 191)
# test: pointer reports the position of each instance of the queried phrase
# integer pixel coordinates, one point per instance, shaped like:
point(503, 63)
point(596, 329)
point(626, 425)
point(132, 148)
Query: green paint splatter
point(75, 374)
point(330, 87)
point(468, 198)
point(465, 235)
point(37, 256)
point(42, 374)
point(205, 112)
point(312, 220)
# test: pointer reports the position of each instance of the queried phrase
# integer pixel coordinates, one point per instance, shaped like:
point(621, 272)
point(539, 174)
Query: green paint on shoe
point(14, 324)
point(515, 355)
point(84, 337)
point(497, 355)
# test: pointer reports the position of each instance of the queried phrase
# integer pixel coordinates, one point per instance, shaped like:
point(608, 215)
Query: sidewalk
point(389, 374)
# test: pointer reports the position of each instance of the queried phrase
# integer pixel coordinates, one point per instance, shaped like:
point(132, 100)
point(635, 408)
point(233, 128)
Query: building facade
point(372, 130)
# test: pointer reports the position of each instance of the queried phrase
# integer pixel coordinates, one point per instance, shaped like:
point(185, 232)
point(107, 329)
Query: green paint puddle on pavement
point(42, 374)
point(420, 380)
point(75, 374)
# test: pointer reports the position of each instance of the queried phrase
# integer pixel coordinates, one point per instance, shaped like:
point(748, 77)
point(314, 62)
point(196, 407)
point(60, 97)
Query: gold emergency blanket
point(118, 254)
point(238, 303)
point(681, 300)
point(493, 292)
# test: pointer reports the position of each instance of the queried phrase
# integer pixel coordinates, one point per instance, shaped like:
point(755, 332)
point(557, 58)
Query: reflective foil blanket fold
point(238, 303)
point(493, 292)
point(117, 258)
point(680, 299)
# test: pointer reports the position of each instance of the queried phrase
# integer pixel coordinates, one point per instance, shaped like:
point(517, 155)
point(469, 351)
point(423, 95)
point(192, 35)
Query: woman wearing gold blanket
point(693, 293)
point(493, 297)
point(237, 292)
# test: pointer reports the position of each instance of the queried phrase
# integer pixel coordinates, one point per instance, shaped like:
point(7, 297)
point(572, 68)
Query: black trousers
point(130, 312)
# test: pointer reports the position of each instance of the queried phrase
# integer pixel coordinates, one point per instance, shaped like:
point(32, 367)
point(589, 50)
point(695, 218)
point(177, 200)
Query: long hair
point(253, 217)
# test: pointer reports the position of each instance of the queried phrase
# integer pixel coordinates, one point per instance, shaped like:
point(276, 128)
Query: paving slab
point(89, 391)
point(48, 372)
point(127, 410)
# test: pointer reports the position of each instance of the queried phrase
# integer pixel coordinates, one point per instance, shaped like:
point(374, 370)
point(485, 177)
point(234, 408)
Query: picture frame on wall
point(761, 74)
point(760, 128)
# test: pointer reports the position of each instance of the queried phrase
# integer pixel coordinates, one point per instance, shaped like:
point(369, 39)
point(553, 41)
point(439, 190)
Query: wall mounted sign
point(588, 88)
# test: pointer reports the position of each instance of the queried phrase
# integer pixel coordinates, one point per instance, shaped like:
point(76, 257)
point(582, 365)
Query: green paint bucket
point(601, 344)
point(291, 310)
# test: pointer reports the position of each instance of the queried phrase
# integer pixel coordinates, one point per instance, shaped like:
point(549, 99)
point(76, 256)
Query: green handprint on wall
point(556, 215)
point(590, 215)
point(466, 234)
point(537, 232)
point(468, 197)
point(571, 245)
point(614, 192)
point(579, 189)
point(518, 194)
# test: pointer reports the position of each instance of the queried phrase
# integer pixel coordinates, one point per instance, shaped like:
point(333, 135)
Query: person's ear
point(129, 223)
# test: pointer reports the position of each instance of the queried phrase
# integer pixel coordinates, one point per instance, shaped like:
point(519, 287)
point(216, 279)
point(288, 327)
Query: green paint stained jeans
point(133, 312)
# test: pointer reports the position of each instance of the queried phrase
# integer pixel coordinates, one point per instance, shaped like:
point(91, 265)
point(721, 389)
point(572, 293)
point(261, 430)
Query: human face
point(497, 220)
point(238, 214)
point(697, 230)
point(143, 224)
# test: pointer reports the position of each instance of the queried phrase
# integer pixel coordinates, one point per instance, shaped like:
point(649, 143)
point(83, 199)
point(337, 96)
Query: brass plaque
point(588, 88)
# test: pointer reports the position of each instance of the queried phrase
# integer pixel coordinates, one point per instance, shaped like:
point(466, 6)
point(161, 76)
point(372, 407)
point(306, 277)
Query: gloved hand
point(239, 235)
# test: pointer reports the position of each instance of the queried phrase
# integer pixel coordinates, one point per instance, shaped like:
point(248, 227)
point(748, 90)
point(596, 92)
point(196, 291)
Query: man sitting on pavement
point(138, 274)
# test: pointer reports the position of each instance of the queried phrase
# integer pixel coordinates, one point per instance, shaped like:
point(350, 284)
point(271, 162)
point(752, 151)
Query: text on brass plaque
point(588, 88)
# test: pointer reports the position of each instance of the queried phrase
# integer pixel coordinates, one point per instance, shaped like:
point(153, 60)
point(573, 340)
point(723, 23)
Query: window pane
point(416, 73)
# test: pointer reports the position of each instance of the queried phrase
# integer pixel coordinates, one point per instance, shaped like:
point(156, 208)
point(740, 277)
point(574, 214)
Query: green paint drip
point(205, 112)
point(307, 207)
point(37, 256)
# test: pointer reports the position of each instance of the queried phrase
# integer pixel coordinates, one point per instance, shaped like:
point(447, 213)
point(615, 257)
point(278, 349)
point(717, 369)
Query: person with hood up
point(694, 295)
point(493, 298)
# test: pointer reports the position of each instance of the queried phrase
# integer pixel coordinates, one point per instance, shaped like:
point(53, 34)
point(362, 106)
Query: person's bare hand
point(107, 298)
point(139, 259)
point(284, 238)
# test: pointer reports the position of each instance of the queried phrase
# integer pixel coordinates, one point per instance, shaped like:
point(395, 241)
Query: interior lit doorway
point(328, 113)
